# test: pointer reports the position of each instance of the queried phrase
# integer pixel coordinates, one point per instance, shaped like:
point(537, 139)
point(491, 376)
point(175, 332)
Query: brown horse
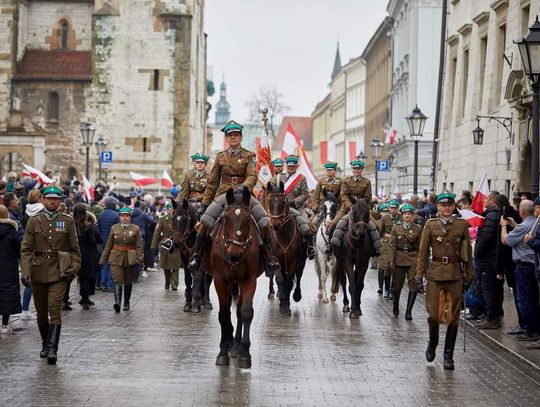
point(184, 234)
point(290, 248)
point(352, 259)
point(234, 260)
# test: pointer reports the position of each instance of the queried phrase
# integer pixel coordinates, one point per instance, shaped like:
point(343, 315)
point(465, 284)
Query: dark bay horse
point(290, 248)
point(184, 234)
point(233, 259)
point(352, 259)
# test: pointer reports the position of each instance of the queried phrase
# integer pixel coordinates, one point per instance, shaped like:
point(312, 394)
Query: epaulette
point(431, 219)
point(67, 214)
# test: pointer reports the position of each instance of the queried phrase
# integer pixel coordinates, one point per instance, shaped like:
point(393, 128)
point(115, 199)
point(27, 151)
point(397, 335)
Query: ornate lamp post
point(100, 146)
point(87, 133)
point(416, 122)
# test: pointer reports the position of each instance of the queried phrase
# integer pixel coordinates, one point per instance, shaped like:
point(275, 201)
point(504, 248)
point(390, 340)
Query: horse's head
point(329, 205)
point(184, 219)
point(278, 207)
point(358, 221)
point(237, 222)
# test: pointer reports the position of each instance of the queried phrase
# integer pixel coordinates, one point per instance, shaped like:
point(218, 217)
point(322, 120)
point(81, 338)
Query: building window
point(489, 185)
point(52, 107)
point(525, 13)
point(156, 80)
point(507, 187)
point(451, 84)
point(452, 187)
point(145, 145)
point(444, 187)
point(471, 184)
point(64, 27)
point(499, 63)
point(464, 82)
point(483, 54)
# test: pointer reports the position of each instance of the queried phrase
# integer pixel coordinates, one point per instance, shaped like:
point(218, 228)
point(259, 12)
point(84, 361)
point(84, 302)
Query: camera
point(505, 212)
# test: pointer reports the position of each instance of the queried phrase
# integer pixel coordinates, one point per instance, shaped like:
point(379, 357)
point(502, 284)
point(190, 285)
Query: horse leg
point(205, 291)
point(318, 270)
point(351, 275)
point(297, 296)
point(284, 295)
point(271, 291)
point(188, 281)
point(361, 285)
point(247, 291)
point(334, 288)
point(323, 277)
point(224, 316)
point(236, 347)
point(343, 282)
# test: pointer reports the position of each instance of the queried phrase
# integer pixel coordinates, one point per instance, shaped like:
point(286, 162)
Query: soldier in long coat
point(447, 239)
point(50, 256)
point(386, 224)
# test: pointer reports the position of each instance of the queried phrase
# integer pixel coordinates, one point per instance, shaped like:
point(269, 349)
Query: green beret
point(330, 165)
point(394, 203)
point(52, 191)
point(446, 197)
point(200, 157)
point(382, 207)
point(407, 208)
point(125, 209)
point(357, 164)
point(232, 126)
point(277, 162)
point(291, 160)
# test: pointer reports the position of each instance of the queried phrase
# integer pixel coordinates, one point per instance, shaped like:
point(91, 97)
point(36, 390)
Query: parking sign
point(106, 158)
point(383, 165)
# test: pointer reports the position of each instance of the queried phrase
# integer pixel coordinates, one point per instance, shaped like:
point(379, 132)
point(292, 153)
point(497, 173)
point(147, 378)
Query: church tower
point(223, 108)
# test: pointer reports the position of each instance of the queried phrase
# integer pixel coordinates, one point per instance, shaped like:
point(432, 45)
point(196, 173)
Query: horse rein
point(227, 242)
point(285, 215)
point(354, 232)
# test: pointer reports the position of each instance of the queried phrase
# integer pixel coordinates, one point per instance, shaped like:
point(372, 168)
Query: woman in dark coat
point(89, 239)
point(10, 249)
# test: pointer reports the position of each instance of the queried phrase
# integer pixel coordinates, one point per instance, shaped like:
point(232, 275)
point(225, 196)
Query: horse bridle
point(182, 238)
point(227, 241)
point(354, 231)
point(285, 214)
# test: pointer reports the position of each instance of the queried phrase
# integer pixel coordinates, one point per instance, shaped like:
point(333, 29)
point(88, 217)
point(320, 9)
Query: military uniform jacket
point(404, 244)
point(450, 247)
point(230, 171)
point(164, 230)
point(120, 241)
point(330, 185)
point(193, 186)
point(353, 189)
point(43, 238)
point(386, 224)
point(299, 195)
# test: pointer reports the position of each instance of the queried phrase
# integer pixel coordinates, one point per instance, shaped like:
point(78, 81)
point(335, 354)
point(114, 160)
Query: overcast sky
point(287, 43)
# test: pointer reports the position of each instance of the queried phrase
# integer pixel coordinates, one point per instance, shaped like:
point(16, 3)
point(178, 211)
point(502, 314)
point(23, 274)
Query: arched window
point(52, 107)
point(64, 26)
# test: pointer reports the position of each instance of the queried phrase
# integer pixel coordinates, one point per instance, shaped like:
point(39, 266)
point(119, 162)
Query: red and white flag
point(293, 145)
point(391, 134)
point(480, 196)
point(166, 180)
point(88, 189)
point(38, 175)
point(142, 180)
point(473, 219)
point(355, 148)
point(328, 151)
point(293, 181)
point(265, 169)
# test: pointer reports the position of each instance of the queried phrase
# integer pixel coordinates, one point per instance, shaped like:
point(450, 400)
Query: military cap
point(291, 160)
point(125, 209)
point(199, 157)
point(407, 208)
point(357, 164)
point(382, 207)
point(51, 191)
point(232, 126)
point(330, 165)
point(393, 203)
point(446, 197)
point(278, 162)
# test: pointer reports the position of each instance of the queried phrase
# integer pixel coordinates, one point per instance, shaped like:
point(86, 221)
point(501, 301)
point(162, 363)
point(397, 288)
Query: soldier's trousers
point(399, 275)
point(48, 299)
point(122, 274)
point(443, 301)
point(171, 277)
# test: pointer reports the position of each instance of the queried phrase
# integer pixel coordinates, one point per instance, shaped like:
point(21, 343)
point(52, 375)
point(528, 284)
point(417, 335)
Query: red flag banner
point(480, 196)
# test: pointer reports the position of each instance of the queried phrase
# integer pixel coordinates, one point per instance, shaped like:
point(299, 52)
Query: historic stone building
point(484, 76)
point(134, 69)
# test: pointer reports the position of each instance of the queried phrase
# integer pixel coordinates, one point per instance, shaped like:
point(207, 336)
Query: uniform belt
point(233, 180)
point(446, 260)
point(123, 248)
point(406, 250)
point(48, 253)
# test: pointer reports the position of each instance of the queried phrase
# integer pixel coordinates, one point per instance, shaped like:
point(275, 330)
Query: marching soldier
point(169, 262)
point(123, 251)
point(450, 268)
point(404, 244)
point(386, 224)
point(196, 180)
point(50, 257)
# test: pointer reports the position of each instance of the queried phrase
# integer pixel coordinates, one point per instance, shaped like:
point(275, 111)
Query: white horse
point(324, 263)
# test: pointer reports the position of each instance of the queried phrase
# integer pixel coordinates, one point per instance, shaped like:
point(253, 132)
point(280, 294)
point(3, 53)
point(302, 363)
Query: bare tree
point(272, 99)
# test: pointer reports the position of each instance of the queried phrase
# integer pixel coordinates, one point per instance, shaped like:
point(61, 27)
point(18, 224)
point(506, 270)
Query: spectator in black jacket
point(485, 256)
point(427, 211)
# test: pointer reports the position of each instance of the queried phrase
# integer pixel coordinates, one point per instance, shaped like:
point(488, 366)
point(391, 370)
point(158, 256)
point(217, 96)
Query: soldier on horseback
point(330, 183)
point(196, 180)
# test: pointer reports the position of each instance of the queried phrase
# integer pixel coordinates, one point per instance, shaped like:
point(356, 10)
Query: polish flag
point(37, 174)
point(88, 189)
point(391, 134)
point(480, 196)
point(293, 181)
point(264, 168)
point(166, 180)
point(354, 150)
point(328, 151)
point(473, 219)
point(141, 180)
point(291, 145)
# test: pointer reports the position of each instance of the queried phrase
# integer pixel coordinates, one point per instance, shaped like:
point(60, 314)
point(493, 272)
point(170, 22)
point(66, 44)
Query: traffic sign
point(106, 158)
point(383, 165)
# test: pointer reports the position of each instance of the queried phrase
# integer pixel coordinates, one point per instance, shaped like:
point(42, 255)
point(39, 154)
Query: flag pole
point(264, 112)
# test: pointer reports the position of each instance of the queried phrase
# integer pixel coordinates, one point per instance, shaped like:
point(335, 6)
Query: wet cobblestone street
point(158, 355)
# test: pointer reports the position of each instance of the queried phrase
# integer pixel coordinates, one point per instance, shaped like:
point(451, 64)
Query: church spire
point(223, 108)
point(337, 63)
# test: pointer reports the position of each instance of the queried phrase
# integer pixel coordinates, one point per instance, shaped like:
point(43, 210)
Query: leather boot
point(44, 332)
point(195, 263)
point(386, 287)
point(127, 297)
point(433, 342)
point(310, 247)
point(53, 337)
point(117, 297)
point(380, 275)
point(410, 302)
point(395, 310)
point(449, 344)
point(167, 278)
point(271, 262)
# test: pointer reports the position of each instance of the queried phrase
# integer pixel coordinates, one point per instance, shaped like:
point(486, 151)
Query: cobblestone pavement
point(160, 356)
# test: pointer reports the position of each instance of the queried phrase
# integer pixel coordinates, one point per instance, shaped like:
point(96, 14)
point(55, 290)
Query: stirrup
point(329, 250)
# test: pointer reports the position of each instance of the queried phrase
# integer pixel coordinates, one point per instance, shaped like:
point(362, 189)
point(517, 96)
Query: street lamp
point(478, 134)
point(376, 149)
point(361, 156)
point(87, 133)
point(100, 146)
point(416, 122)
point(529, 49)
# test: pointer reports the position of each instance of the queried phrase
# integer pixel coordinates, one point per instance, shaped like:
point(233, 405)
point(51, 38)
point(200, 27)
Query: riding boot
point(117, 297)
point(410, 303)
point(395, 310)
point(195, 263)
point(380, 275)
point(272, 265)
point(449, 344)
point(127, 297)
point(167, 278)
point(53, 338)
point(386, 287)
point(433, 342)
point(44, 332)
point(311, 247)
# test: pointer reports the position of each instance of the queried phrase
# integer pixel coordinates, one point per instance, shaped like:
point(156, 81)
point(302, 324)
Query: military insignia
point(60, 226)
point(191, 185)
point(130, 233)
point(439, 239)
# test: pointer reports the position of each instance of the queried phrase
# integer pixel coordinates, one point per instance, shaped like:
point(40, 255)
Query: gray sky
point(287, 43)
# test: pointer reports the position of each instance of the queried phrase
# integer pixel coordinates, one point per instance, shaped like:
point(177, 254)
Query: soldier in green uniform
point(123, 251)
point(233, 168)
point(447, 237)
point(196, 180)
point(404, 244)
point(169, 262)
point(278, 167)
point(330, 183)
point(386, 224)
point(50, 257)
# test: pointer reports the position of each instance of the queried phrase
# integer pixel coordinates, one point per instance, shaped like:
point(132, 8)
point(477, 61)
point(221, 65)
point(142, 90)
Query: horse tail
point(235, 292)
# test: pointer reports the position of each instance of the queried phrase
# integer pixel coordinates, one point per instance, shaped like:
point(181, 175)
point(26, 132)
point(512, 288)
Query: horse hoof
point(325, 300)
point(196, 309)
point(285, 310)
point(270, 296)
point(208, 306)
point(244, 362)
point(223, 360)
point(234, 352)
point(354, 315)
point(297, 296)
point(319, 295)
point(333, 297)
point(346, 308)
point(187, 308)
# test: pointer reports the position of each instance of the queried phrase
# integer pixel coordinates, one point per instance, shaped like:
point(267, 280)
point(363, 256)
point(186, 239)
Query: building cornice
point(498, 5)
point(452, 40)
point(481, 18)
point(465, 29)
